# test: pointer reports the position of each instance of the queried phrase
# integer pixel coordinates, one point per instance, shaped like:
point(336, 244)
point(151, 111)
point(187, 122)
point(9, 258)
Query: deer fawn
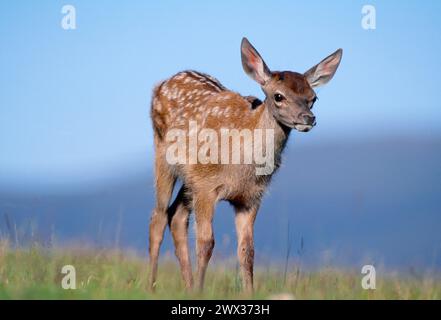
point(194, 96)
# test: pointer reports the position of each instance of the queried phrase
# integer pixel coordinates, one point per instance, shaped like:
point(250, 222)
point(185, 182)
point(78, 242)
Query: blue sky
point(74, 105)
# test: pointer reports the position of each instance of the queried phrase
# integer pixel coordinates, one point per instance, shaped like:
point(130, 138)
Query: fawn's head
point(289, 95)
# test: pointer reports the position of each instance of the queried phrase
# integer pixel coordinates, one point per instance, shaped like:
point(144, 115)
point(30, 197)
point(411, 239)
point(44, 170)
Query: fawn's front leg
point(244, 220)
point(204, 209)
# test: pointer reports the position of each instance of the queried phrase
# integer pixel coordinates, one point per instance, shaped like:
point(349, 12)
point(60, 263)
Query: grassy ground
point(35, 273)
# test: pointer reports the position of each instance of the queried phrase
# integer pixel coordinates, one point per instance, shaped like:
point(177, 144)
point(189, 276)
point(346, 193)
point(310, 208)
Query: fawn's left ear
point(253, 63)
point(325, 70)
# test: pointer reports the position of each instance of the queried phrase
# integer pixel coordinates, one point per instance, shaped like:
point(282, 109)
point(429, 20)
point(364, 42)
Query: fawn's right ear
point(253, 63)
point(325, 70)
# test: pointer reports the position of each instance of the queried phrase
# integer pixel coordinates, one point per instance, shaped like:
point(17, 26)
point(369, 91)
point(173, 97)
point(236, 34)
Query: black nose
point(309, 120)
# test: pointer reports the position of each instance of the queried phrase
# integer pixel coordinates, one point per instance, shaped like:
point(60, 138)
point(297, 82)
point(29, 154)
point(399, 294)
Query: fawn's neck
point(281, 132)
point(266, 120)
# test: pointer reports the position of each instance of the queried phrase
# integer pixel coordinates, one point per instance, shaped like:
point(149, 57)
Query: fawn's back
point(194, 96)
point(191, 96)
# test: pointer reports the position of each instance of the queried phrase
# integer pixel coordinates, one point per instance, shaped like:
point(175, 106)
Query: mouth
point(302, 127)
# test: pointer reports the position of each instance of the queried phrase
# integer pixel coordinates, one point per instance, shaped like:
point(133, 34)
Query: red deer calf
point(191, 96)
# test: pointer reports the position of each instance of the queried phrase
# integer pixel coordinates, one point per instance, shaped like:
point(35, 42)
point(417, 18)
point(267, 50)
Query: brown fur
point(191, 95)
point(207, 184)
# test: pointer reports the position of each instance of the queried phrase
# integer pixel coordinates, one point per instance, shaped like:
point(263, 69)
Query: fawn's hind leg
point(165, 181)
point(178, 214)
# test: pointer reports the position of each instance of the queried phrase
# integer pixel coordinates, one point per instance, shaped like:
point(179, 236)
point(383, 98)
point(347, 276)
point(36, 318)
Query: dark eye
point(278, 97)
point(313, 101)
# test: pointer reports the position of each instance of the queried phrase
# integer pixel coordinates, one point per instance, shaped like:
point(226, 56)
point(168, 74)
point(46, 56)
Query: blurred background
point(76, 141)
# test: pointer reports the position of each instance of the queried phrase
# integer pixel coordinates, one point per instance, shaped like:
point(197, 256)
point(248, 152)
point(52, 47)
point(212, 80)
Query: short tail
point(157, 113)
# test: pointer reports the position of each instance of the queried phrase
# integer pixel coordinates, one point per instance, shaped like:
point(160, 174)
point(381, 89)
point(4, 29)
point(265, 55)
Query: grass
point(35, 273)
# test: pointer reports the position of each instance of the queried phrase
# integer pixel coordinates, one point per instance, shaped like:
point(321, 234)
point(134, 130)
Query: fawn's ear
point(325, 70)
point(253, 63)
